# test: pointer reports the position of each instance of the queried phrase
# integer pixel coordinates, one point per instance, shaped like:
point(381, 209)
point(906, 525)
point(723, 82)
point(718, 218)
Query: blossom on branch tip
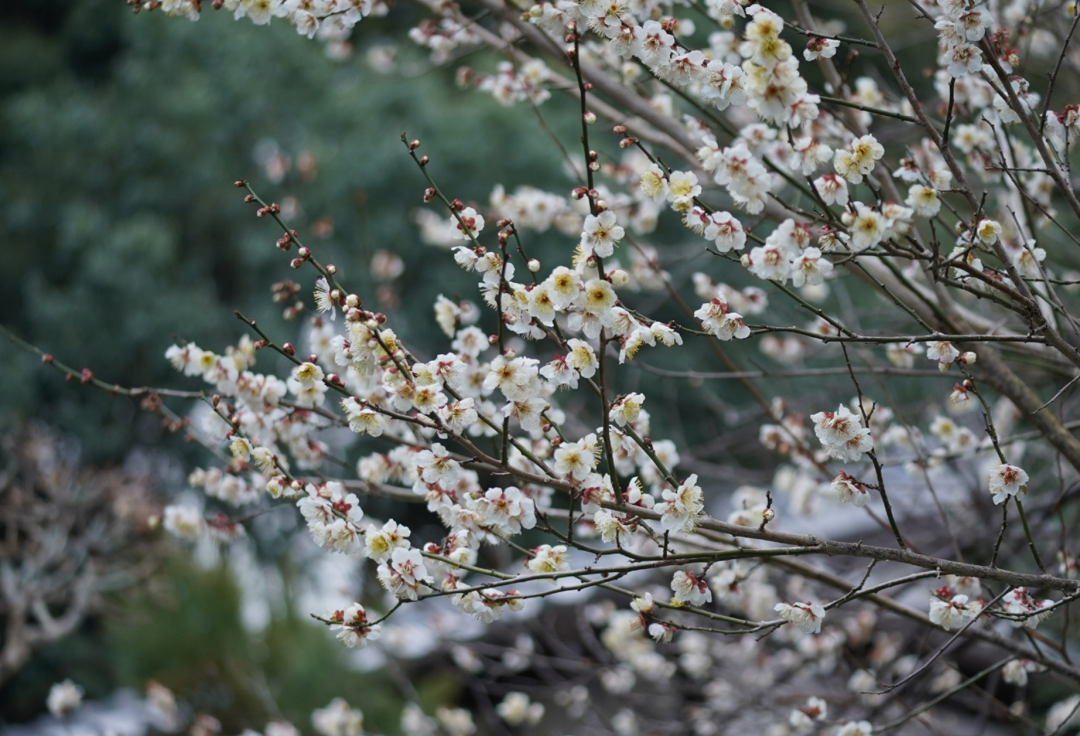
point(806, 617)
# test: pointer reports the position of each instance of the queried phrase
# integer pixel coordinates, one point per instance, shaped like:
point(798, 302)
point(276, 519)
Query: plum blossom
point(806, 617)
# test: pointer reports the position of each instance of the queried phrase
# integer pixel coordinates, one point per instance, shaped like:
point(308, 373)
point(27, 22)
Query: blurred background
point(120, 138)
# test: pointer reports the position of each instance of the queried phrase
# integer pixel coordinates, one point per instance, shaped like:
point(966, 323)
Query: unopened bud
point(504, 222)
point(578, 193)
point(768, 515)
point(619, 130)
point(352, 301)
point(589, 118)
point(47, 358)
point(331, 269)
point(627, 142)
point(260, 344)
point(601, 205)
point(534, 265)
point(594, 166)
point(288, 349)
point(304, 252)
point(619, 277)
point(249, 198)
point(333, 379)
point(239, 183)
point(429, 194)
point(424, 160)
point(414, 144)
point(335, 294)
point(215, 400)
point(591, 261)
point(493, 339)
point(458, 205)
point(744, 260)
point(87, 375)
point(968, 358)
point(312, 358)
point(968, 385)
point(297, 262)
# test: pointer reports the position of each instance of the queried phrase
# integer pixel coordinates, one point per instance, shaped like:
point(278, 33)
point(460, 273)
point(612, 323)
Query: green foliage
point(120, 137)
point(188, 635)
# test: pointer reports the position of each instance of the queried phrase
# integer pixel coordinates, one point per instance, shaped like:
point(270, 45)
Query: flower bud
point(288, 349)
point(424, 160)
point(594, 166)
point(296, 262)
point(429, 194)
point(414, 144)
point(47, 358)
point(619, 277)
point(239, 183)
point(249, 198)
point(744, 260)
point(313, 358)
point(768, 515)
point(331, 269)
point(534, 265)
point(589, 118)
point(968, 358)
point(493, 339)
point(591, 261)
point(619, 130)
point(352, 301)
point(335, 294)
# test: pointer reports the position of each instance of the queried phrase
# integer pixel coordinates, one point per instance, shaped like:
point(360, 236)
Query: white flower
point(613, 529)
point(626, 410)
point(810, 268)
point(576, 459)
point(582, 358)
point(820, 48)
point(943, 352)
point(381, 543)
point(184, 522)
point(473, 224)
point(64, 697)
point(602, 233)
point(549, 559)
point(716, 318)
point(807, 617)
point(848, 490)
point(690, 589)
point(516, 709)
point(338, 719)
point(682, 508)
point(404, 573)
point(323, 301)
point(1007, 480)
point(923, 200)
point(654, 183)
point(353, 628)
point(954, 613)
point(855, 728)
